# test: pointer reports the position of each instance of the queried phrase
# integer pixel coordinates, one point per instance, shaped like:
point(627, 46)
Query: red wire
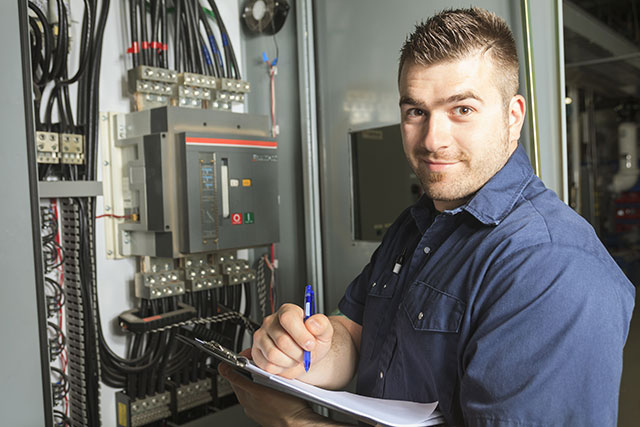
point(113, 216)
point(272, 78)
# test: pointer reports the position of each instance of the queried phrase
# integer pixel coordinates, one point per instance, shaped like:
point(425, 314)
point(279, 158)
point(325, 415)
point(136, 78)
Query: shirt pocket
point(375, 321)
point(432, 310)
point(384, 286)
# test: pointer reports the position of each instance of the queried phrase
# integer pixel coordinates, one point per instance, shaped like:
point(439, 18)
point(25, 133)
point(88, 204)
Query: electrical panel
point(188, 181)
point(189, 184)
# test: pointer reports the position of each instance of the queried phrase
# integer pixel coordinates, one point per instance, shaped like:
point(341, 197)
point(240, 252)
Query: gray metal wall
point(357, 46)
point(21, 376)
point(291, 249)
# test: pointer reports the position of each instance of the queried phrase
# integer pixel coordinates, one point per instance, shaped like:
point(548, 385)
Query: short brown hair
point(458, 33)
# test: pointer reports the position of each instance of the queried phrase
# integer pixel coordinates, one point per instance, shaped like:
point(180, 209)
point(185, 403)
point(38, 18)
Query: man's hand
point(279, 344)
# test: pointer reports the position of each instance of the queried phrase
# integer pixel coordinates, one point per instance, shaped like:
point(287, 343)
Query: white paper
point(387, 412)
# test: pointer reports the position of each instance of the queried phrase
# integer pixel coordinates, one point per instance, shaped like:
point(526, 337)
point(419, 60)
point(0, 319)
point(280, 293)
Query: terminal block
point(139, 412)
point(48, 147)
point(160, 284)
point(237, 271)
point(200, 275)
point(194, 394)
point(72, 149)
point(151, 86)
point(220, 258)
point(240, 277)
point(194, 90)
point(230, 90)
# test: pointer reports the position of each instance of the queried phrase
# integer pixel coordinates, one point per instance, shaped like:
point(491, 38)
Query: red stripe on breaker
point(231, 142)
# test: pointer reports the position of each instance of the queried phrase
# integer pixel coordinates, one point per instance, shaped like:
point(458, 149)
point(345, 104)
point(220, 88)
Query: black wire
point(133, 22)
point(85, 44)
point(164, 57)
point(144, 36)
point(177, 42)
point(61, 45)
point(217, 66)
point(155, 31)
point(47, 45)
point(231, 62)
point(196, 52)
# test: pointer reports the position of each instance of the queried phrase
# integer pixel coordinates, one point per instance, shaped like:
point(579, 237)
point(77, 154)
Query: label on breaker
point(236, 218)
point(248, 217)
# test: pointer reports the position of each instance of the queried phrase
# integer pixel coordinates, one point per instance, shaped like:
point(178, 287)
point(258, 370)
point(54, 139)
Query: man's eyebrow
point(407, 100)
point(458, 97)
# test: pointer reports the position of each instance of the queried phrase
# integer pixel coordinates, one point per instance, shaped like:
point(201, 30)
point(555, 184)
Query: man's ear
point(517, 109)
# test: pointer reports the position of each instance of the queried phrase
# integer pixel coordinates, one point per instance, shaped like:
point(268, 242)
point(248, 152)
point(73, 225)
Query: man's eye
point(462, 111)
point(415, 112)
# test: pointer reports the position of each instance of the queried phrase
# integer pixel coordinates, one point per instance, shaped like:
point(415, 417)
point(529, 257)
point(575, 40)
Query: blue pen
point(309, 310)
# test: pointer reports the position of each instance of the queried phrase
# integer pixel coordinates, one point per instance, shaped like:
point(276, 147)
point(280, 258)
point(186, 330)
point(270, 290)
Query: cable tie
point(133, 48)
point(156, 45)
point(165, 46)
point(145, 45)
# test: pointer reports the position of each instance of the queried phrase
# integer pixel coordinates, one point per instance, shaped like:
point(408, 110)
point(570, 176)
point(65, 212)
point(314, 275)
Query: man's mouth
point(439, 165)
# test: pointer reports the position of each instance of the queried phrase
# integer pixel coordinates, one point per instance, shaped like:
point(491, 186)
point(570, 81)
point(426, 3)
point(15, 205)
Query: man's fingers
point(285, 343)
point(292, 321)
point(320, 326)
point(274, 354)
point(234, 377)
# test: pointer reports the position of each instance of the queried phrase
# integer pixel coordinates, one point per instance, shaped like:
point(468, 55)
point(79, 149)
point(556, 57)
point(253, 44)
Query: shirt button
point(427, 249)
point(420, 316)
point(381, 374)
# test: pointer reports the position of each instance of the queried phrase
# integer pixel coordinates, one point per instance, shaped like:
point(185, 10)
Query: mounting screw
point(104, 117)
point(109, 252)
point(106, 163)
point(107, 208)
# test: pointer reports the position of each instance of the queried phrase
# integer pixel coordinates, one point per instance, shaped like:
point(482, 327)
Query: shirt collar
point(493, 201)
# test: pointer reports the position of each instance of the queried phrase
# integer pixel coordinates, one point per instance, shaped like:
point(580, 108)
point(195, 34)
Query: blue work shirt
point(507, 310)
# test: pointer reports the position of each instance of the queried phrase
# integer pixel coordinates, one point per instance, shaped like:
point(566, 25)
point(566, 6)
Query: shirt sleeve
point(549, 326)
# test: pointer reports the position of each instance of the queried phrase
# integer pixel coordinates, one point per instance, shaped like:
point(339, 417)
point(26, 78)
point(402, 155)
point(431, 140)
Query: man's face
point(456, 130)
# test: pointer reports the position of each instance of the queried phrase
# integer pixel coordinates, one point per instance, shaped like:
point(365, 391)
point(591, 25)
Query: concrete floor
point(629, 415)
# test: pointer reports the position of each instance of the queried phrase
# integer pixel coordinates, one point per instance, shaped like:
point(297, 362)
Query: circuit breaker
point(187, 181)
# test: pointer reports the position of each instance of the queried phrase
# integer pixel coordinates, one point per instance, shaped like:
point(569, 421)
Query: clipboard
point(371, 410)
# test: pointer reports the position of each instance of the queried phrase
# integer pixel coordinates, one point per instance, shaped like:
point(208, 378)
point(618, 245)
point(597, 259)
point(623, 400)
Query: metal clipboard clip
point(216, 350)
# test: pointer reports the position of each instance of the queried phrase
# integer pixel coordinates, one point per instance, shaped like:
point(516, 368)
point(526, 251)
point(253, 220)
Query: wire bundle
point(52, 251)
point(197, 48)
point(155, 358)
point(50, 74)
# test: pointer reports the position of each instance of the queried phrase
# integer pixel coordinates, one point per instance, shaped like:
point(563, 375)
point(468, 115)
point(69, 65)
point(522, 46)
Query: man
point(489, 295)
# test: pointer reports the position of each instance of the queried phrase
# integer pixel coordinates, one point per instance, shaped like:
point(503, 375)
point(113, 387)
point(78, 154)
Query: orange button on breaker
point(246, 183)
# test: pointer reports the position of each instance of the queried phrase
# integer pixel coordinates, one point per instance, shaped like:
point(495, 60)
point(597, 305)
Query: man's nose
point(438, 133)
